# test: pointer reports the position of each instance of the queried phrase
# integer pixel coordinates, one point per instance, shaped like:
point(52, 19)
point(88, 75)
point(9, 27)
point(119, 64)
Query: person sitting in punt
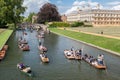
point(77, 53)
point(45, 56)
point(80, 51)
point(22, 66)
point(85, 56)
point(94, 62)
point(69, 53)
point(72, 49)
point(91, 59)
point(22, 45)
point(88, 59)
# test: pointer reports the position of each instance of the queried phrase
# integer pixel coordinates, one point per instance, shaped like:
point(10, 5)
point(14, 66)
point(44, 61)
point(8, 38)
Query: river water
point(59, 67)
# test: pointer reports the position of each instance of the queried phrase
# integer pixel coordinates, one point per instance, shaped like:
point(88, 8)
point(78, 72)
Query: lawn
point(111, 31)
point(107, 43)
point(4, 35)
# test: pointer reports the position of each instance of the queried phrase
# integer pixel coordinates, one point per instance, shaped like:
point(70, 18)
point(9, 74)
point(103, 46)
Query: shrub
point(88, 26)
point(59, 24)
point(77, 24)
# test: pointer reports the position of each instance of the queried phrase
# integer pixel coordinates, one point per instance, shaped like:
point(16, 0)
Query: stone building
point(97, 17)
point(64, 18)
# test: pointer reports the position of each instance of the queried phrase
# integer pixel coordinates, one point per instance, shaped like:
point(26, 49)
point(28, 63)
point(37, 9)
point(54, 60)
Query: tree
point(48, 13)
point(11, 11)
point(2, 13)
point(29, 19)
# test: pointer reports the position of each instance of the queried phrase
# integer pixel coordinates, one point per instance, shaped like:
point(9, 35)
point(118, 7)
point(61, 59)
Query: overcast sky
point(68, 6)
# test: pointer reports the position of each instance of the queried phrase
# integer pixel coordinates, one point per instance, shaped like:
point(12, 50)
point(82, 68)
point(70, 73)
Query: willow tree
point(48, 12)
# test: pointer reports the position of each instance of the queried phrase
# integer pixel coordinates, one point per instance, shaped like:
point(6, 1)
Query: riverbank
point(107, 44)
point(4, 36)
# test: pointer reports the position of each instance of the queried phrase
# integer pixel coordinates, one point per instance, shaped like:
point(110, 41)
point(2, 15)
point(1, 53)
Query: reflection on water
point(59, 67)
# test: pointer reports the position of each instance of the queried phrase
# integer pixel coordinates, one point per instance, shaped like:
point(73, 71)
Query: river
point(59, 67)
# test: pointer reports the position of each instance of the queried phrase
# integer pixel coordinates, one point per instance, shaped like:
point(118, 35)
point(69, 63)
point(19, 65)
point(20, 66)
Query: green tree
point(3, 9)
point(11, 11)
point(29, 19)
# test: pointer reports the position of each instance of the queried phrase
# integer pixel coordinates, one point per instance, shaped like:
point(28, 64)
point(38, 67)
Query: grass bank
point(4, 36)
point(107, 43)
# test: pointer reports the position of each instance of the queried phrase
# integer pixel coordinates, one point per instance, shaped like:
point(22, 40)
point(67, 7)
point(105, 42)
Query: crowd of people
point(94, 61)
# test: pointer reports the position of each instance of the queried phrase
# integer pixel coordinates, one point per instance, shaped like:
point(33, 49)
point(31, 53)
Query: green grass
point(111, 31)
point(4, 35)
point(107, 43)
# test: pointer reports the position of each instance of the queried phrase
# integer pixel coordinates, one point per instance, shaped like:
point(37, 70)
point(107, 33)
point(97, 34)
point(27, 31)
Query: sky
point(69, 6)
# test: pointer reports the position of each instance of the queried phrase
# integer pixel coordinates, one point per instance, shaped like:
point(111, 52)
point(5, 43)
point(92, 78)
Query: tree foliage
point(29, 19)
point(59, 24)
point(48, 13)
point(10, 11)
point(77, 24)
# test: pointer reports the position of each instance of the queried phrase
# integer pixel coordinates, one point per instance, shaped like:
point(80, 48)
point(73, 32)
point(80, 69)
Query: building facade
point(73, 17)
point(97, 17)
point(64, 18)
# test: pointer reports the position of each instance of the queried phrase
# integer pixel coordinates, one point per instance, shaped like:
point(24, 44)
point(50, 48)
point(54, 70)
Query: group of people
point(94, 61)
point(23, 43)
point(74, 52)
point(24, 68)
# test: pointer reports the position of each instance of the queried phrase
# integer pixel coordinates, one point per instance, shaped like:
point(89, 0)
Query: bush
point(77, 24)
point(52, 25)
point(59, 24)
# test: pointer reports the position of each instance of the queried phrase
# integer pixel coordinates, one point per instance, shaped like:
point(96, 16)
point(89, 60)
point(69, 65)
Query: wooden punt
point(68, 56)
point(3, 51)
point(26, 70)
point(98, 66)
point(24, 48)
point(44, 58)
point(42, 49)
point(2, 54)
point(5, 47)
point(77, 56)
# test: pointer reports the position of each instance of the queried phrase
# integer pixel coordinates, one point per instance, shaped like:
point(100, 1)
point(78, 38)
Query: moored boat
point(2, 54)
point(5, 47)
point(44, 58)
point(3, 51)
point(25, 69)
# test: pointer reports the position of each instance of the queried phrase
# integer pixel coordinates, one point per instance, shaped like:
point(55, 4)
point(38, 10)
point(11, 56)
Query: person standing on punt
point(100, 59)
